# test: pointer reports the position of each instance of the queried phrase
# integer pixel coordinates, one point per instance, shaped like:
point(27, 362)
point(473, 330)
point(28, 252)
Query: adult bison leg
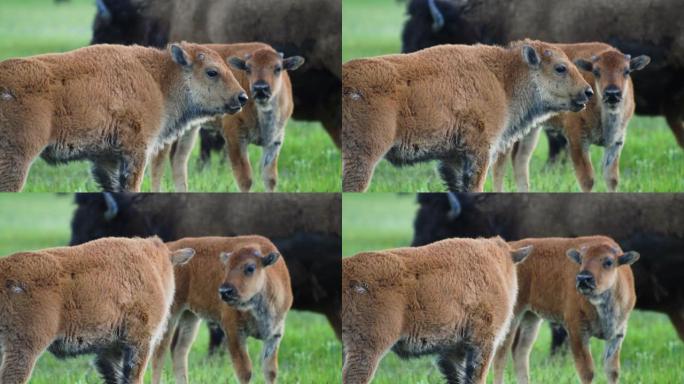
point(179, 159)
point(332, 122)
point(157, 167)
point(674, 115)
point(677, 318)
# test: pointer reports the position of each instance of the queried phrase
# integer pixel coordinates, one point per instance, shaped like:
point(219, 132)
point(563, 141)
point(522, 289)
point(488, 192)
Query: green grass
point(309, 160)
point(651, 160)
point(310, 352)
point(652, 352)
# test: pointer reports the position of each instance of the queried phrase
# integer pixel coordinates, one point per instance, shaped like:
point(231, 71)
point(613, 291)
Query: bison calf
point(110, 297)
point(586, 285)
point(461, 105)
point(453, 298)
point(113, 105)
point(240, 283)
point(603, 122)
point(263, 72)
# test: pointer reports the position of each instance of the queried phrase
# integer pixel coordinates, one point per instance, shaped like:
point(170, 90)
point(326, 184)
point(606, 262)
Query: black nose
point(588, 92)
point(227, 290)
point(585, 280)
point(612, 93)
point(242, 99)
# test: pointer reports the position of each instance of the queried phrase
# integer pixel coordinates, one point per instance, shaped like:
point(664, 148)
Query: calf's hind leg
point(179, 160)
point(528, 330)
point(109, 365)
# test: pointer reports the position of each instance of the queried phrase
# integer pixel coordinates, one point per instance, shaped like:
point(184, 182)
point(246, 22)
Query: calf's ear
point(520, 254)
point(182, 256)
point(224, 256)
point(584, 65)
point(628, 258)
point(574, 255)
point(638, 63)
point(179, 56)
point(293, 62)
point(237, 63)
point(270, 259)
point(530, 56)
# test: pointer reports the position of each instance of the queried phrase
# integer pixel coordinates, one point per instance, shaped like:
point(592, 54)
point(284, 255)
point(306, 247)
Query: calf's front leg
point(237, 347)
point(611, 357)
point(579, 345)
point(269, 356)
point(611, 165)
point(17, 365)
point(269, 164)
point(579, 152)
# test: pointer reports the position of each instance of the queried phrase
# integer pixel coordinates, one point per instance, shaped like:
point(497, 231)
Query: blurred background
point(310, 351)
point(31, 27)
point(652, 351)
point(651, 160)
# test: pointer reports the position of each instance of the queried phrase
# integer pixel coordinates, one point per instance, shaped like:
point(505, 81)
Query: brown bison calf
point(603, 122)
point(453, 298)
point(110, 297)
point(242, 284)
point(461, 105)
point(110, 104)
point(586, 285)
point(263, 72)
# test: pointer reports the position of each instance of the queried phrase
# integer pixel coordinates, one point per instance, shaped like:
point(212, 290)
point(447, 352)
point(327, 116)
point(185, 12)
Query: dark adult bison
point(306, 229)
point(308, 28)
point(653, 28)
point(652, 224)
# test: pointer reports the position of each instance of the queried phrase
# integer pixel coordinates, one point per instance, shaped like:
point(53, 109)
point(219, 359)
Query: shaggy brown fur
point(263, 72)
point(113, 105)
point(453, 298)
point(603, 122)
point(110, 297)
point(458, 104)
point(240, 283)
point(583, 283)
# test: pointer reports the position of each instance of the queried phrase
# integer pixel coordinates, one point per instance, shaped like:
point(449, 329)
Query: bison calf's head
point(559, 83)
point(611, 71)
point(264, 69)
point(599, 267)
point(210, 87)
point(245, 275)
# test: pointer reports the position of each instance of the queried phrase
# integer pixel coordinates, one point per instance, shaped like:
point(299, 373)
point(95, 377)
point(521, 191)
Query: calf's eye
point(249, 270)
point(608, 263)
point(561, 69)
point(596, 73)
point(212, 73)
point(277, 70)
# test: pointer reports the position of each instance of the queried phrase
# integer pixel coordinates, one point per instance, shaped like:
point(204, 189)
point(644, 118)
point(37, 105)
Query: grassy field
point(651, 353)
point(309, 161)
point(310, 352)
point(651, 160)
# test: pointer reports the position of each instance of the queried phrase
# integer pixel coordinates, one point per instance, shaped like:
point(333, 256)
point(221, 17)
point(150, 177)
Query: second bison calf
point(108, 297)
point(240, 283)
point(453, 298)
